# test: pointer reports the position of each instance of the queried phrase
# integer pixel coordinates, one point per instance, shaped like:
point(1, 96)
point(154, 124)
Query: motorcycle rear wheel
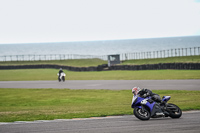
point(145, 115)
point(174, 113)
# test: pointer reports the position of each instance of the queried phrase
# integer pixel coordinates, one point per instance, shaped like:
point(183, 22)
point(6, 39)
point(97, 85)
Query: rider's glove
point(146, 95)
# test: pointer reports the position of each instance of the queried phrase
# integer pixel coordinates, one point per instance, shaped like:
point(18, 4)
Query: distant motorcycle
point(146, 108)
point(61, 77)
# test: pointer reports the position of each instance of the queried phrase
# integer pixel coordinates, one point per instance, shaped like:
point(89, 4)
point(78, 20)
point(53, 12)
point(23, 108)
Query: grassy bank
point(184, 59)
point(51, 74)
point(72, 62)
point(96, 62)
point(48, 104)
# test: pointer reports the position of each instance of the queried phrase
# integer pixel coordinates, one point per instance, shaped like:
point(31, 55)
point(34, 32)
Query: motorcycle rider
point(60, 71)
point(145, 93)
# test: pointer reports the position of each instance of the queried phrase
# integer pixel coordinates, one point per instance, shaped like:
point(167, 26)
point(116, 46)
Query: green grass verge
point(183, 59)
point(72, 62)
point(96, 62)
point(51, 74)
point(49, 104)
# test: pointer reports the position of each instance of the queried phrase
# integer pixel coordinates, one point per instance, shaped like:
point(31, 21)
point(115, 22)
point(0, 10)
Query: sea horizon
point(106, 47)
point(100, 40)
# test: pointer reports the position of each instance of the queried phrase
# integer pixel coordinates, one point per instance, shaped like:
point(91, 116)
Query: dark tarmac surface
point(188, 123)
point(107, 84)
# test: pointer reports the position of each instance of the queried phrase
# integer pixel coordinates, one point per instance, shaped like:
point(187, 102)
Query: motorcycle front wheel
point(142, 115)
point(63, 78)
point(174, 111)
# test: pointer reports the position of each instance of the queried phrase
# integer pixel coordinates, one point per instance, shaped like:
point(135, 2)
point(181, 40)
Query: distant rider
point(145, 93)
point(60, 71)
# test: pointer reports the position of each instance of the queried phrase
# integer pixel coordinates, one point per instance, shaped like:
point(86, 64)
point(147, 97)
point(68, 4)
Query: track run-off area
point(188, 123)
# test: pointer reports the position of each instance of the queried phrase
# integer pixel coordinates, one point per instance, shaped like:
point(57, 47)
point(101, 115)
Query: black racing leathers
point(61, 71)
point(146, 92)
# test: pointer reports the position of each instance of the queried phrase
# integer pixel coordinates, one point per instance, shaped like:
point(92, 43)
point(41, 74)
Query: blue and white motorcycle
point(146, 108)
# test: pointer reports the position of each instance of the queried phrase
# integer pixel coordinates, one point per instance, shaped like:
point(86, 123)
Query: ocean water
point(100, 47)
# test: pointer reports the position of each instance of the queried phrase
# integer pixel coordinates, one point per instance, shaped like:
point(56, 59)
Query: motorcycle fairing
point(137, 102)
point(166, 98)
point(156, 109)
point(153, 106)
point(61, 74)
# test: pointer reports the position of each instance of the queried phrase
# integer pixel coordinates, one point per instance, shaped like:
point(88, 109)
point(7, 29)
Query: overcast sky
point(32, 21)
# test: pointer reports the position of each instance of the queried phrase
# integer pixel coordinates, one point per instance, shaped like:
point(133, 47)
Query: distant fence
point(162, 53)
point(124, 56)
point(49, 57)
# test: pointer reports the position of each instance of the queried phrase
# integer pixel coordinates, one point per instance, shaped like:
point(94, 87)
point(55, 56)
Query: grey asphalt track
point(188, 123)
point(107, 84)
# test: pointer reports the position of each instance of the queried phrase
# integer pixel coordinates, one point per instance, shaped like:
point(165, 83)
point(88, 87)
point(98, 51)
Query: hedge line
point(70, 68)
point(182, 66)
point(185, 66)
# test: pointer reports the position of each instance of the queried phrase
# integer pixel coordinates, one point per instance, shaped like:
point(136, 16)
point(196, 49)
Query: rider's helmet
point(135, 90)
point(60, 68)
